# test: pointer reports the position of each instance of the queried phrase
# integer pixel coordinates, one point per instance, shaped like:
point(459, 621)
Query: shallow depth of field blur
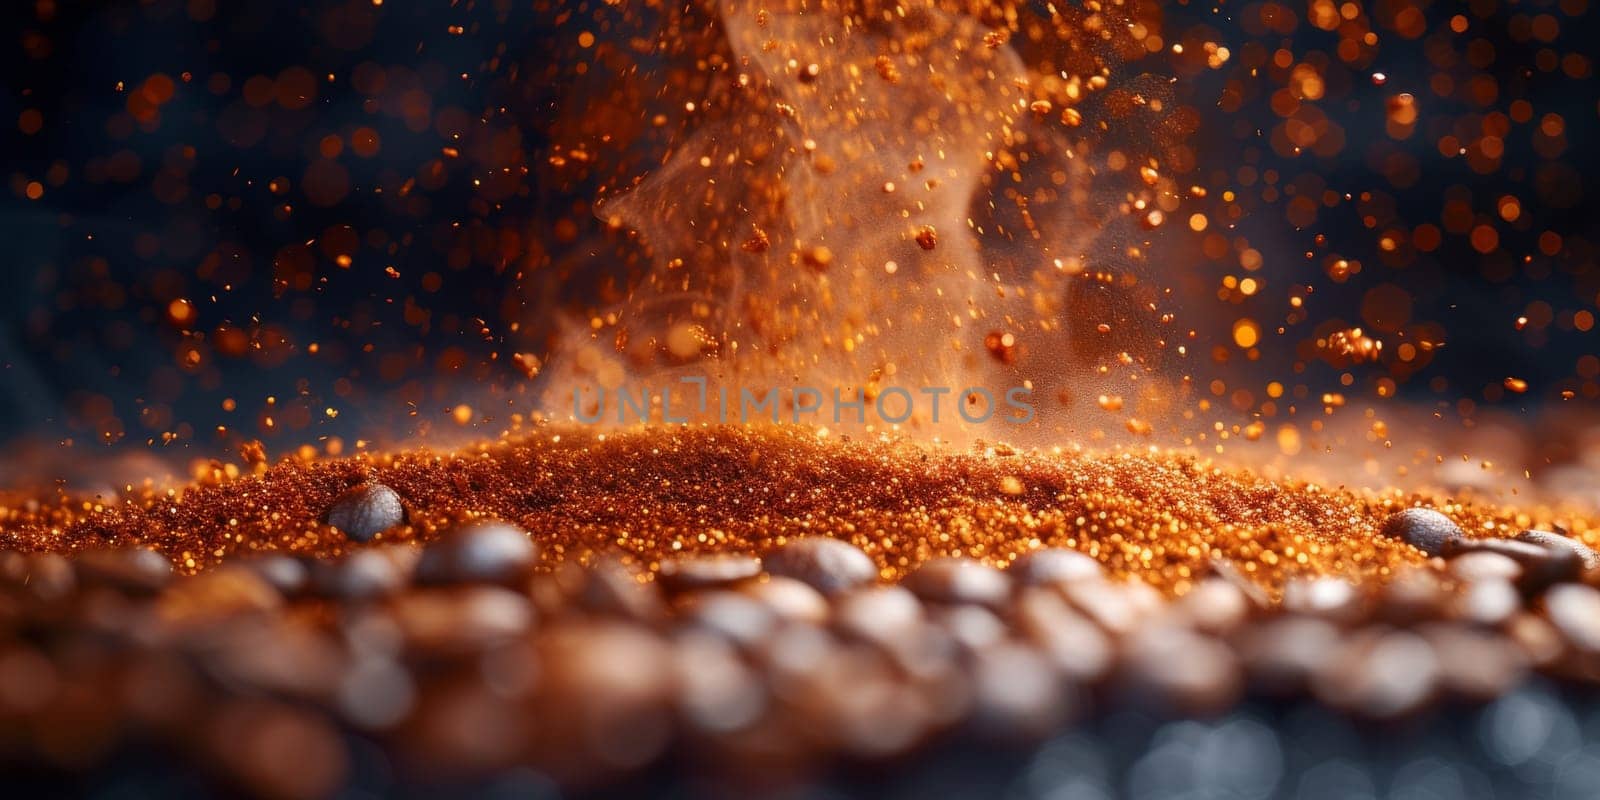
point(322, 226)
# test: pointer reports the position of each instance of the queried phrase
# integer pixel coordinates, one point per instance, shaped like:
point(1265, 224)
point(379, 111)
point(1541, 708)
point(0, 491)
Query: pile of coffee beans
point(477, 653)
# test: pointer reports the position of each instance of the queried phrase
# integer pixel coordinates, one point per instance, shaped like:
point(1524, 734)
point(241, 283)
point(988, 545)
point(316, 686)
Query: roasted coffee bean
point(716, 692)
point(1484, 565)
point(1538, 640)
point(613, 587)
point(217, 595)
point(792, 656)
point(1541, 566)
point(1382, 673)
point(973, 628)
point(375, 692)
point(13, 568)
point(741, 619)
point(364, 574)
point(1574, 609)
point(133, 569)
point(464, 619)
point(1053, 565)
point(46, 576)
point(1115, 607)
point(1074, 645)
point(1423, 528)
point(366, 511)
point(1489, 602)
point(485, 551)
point(789, 599)
point(291, 576)
point(892, 618)
point(1590, 558)
point(1214, 606)
point(273, 654)
point(606, 689)
point(706, 571)
point(1327, 597)
point(1176, 668)
point(877, 612)
point(464, 725)
point(868, 710)
point(960, 580)
point(1283, 655)
point(1473, 663)
point(1414, 593)
point(1016, 696)
point(827, 564)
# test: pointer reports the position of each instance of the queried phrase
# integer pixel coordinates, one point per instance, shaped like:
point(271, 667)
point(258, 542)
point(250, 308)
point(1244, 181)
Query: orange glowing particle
point(364, 142)
point(1289, 440)
point(1517, 385)
point(586, 40)
point(462, 414)
point(1001, 346)
point(1485, 239)
point(1246, 333)
point(1198, 222)
point(1510, 208)
point(818, 258)
point(887, 70)
point(181, 312)
point(157, 89)
point(526, 363)
point(757, 244)
point(1426, 238)
point(34, 190)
